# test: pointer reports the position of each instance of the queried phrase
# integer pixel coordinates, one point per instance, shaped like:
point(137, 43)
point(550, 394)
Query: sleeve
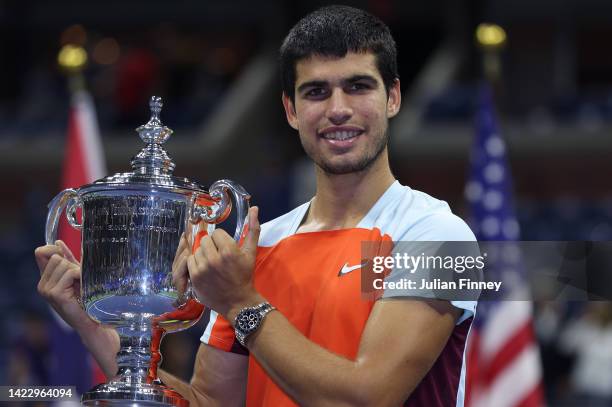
point(435, 235)
point(219, 333)
point(442, 227)
point(468, 307)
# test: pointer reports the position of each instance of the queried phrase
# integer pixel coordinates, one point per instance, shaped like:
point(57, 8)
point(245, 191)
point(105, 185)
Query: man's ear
point(394, 101)
point(290, 111)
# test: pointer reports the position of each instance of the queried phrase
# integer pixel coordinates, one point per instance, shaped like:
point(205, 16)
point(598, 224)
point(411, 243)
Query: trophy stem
point(136, 383)
point(134, 356)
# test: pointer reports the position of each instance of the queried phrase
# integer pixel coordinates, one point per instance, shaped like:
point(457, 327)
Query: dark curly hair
point(334, 31)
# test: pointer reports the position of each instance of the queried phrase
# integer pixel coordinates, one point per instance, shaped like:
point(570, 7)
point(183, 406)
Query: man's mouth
point(341, 135)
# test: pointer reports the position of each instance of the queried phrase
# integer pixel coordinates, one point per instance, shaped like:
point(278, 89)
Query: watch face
point(248, 320)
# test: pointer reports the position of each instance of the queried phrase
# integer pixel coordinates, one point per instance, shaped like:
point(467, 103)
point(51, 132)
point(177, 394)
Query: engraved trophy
point(131, 225)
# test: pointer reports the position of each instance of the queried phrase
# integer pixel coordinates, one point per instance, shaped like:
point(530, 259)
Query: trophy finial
point(153, 158)
point(156, 105)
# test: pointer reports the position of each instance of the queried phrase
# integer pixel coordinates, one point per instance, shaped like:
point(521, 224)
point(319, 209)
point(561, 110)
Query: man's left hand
point(221, 271)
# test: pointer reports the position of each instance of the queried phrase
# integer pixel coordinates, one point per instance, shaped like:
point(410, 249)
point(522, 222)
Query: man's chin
point(342, 168)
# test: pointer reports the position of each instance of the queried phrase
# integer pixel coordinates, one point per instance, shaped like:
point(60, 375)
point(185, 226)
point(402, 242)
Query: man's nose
point(339, 109)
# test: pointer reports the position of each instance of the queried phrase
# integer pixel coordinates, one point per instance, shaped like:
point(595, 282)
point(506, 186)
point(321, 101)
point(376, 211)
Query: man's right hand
point(60, 281)
point(59, 284)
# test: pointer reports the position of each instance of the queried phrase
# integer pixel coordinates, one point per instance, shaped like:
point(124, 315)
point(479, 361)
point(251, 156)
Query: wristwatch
point(249, 319)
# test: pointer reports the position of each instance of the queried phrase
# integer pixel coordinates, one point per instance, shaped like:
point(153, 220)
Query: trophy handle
point(241, 201)
point(69, 199)
point(220, 193)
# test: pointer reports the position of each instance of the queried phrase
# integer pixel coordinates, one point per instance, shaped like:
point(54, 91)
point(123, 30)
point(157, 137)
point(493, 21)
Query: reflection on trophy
point(131, 225)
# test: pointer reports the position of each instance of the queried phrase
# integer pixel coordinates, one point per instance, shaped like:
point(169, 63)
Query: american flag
point(71, 364)
point(504, 367)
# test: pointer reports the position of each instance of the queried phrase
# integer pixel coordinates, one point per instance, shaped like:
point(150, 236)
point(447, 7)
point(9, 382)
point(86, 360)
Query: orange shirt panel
point(300, 277)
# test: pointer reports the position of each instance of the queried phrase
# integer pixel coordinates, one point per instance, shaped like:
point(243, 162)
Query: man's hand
point(221, 272)
point(59, 284)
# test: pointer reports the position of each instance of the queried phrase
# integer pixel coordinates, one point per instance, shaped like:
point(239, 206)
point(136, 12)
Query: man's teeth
point(341, 135)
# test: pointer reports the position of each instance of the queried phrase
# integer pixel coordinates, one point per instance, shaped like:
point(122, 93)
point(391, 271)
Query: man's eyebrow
point(352, 79)
point(357, 78)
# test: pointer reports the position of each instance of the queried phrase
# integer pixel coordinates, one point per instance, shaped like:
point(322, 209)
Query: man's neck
point(341, 201)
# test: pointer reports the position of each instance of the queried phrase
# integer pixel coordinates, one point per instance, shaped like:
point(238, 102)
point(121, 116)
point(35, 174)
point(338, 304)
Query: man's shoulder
point(278, 228)
point(408, 214)
point(434, 221)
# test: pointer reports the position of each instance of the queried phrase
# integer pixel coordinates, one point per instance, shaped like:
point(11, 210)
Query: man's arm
point(219, 379)
point(401, 341)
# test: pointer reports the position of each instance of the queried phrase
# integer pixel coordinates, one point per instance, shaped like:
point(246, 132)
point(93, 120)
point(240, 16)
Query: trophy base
point(133, 394)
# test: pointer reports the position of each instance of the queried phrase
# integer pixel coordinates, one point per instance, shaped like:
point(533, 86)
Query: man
point(313, 339)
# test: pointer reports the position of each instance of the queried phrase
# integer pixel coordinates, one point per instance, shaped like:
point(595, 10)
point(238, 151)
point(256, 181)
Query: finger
point(69, 280)
point(252, 238)
point(200, 258)
point(192, 267)
point(67, 289)
point(42, 255)
point(182, 244)
point(207, 243)
point(181, 252)
point(224, 242)
point(208, 250)
point(195, 273)
point(50, 269)
point(67, 252)
point(59, 270)
point(180, 263)
point(180, 274)
point(221, 238)
point(179, 258)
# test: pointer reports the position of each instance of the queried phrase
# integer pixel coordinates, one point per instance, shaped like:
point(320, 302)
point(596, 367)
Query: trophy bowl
point(131, 224)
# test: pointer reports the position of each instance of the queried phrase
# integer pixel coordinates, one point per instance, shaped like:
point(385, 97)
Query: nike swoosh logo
point(347, 269)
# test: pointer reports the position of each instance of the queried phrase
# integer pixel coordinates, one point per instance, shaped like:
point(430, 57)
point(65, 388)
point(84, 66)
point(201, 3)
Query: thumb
point(251, 239)
point(67, 252)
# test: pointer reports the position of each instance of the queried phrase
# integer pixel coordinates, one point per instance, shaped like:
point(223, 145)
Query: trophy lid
point(152, 166)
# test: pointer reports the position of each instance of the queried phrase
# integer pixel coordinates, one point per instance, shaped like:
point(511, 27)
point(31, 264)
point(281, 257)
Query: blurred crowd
point(576, 349)
point(190, 68)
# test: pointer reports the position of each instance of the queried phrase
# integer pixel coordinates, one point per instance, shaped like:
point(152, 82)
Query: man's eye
point(358, 86)
point(315, 92)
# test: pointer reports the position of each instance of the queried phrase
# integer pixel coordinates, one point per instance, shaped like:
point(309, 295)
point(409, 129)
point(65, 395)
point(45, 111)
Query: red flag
point(83, 164)
point(84, 159)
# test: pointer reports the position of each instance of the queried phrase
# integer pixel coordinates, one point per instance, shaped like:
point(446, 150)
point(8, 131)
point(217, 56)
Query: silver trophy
point(131, 224)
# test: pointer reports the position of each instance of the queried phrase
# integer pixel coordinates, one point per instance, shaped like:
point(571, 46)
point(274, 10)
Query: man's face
point(341, 111)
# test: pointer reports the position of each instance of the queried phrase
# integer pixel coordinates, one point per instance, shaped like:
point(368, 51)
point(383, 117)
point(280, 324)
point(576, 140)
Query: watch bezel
point(245, 325)
point(259, 312)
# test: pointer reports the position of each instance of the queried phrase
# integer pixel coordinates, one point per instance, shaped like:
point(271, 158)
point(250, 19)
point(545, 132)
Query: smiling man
point(313, 339)
point(287, 322)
